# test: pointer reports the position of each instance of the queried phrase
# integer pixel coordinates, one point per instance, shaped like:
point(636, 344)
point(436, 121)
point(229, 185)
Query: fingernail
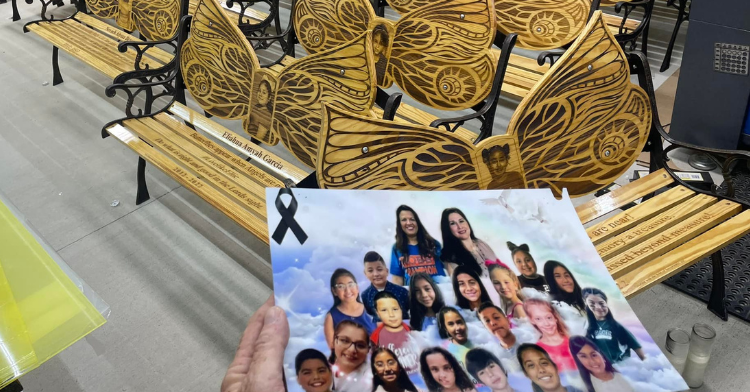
point(273, 315)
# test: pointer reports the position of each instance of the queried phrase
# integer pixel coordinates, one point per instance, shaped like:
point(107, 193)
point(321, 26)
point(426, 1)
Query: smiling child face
point(346, 289)
point(314, 376)
point(389, 311)
point(504, 284)
point(469, 287)
point(541, 317)
point(540, 370)
point(525, 264)
point(386, 367)
point(456, 327)
point(424, 292)
point(376, 272)
point(592, 360)
point(563, 279)
point(598, 306)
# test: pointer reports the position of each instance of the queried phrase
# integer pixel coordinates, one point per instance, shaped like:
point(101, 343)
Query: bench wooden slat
point(614, 21)
point(637, 256)
point(217, 151)
point(684, 256)
point(244, 218)
point(158, 54)
point(259, 154)
point(654, 226)
point(219, 180)
point(52, 36)
point(619, 197)
point(98, 45)
point(627, 219)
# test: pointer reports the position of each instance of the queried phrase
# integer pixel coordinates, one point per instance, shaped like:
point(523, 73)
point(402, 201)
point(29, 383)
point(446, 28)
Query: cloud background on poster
point(343, 225)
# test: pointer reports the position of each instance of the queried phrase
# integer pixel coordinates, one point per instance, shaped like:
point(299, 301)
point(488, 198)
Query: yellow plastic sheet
point(42, 311)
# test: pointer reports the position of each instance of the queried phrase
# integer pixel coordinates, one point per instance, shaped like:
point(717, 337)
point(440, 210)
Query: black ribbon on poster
point(287, 219)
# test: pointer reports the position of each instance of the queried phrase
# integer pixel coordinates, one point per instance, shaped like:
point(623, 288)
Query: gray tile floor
point(181, 279)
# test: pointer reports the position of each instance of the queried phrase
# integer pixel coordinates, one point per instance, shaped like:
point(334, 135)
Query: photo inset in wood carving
point(497, 158)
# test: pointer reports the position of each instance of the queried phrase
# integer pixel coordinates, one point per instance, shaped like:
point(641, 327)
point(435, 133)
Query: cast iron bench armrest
point(551, 55)
point(629, 7)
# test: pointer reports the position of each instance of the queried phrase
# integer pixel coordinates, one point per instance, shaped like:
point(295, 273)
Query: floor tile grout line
point(134, 210)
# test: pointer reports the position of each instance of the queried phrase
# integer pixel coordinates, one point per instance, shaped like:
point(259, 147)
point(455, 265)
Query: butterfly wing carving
point(542, 24)
point(343, 77)
point(584, 123)
point(326, 24)
point(156, 20)
point(219, 66)
point(441, 54)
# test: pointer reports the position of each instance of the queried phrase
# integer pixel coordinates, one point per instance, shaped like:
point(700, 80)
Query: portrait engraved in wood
point(223, 74)
point(580, 128)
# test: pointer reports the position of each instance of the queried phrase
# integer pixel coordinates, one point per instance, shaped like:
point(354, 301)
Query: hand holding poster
point(453, 291)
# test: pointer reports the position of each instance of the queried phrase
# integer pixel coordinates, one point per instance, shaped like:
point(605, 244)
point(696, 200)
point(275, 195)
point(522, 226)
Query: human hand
point(258, 363)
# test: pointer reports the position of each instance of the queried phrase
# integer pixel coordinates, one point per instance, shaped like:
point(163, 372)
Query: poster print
point(451, 291)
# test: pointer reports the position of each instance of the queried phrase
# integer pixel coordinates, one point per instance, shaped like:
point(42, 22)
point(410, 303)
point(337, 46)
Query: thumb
point(267, 364)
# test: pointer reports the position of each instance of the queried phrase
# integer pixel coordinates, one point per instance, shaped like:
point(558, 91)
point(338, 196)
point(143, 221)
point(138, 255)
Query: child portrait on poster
point(346, 304)
point(425, 301)
point(377, 273)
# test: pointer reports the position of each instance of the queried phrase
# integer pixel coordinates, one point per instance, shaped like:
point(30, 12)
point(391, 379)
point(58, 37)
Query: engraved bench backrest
point(155, 19)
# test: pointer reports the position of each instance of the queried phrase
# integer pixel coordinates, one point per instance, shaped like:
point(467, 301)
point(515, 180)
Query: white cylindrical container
point(677, 345)
point(701, 339)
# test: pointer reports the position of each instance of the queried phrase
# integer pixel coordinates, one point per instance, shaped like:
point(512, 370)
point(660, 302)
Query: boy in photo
point(497, 323)
point(377, 273)
point(393, 333)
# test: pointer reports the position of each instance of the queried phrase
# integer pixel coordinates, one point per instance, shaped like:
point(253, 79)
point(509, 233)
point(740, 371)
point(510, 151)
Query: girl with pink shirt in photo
point(555, 337)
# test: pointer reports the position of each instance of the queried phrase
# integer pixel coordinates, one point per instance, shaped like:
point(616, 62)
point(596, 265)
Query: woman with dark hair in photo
point(541, 370)
point(346, 305)
point(313, 371)
point(596, 370)
point(442, 373)
point(485, 367)
point(461, 246)
point(563, 286)
point(614, 340)
point(468, 288)
point(387, 373)
point(555, 336)
point(425, 301)
point(508, 287)
point(415, 250)
point(349, 358)
point(527, 267)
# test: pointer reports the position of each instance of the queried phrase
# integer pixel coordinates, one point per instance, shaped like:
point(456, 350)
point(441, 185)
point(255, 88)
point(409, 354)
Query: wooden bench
point(45, 5)
point(649, 243)
point(98, 44)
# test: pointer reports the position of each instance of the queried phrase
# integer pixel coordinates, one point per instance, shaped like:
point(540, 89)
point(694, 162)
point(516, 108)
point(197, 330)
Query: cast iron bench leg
point(681, 17)
point(56, 76)
point(142, 193)
point(16, 15)
point(717, 303)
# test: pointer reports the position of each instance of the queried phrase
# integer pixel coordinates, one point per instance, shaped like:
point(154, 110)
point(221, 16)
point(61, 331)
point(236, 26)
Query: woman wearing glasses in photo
point(596, 370)
point(461, 246)
point(313, 371)
point(563, 286)
point(346, 305)
point(425, 301)
point(351, 345)
point(387, 373)
point(442, 373)
point(468, 288)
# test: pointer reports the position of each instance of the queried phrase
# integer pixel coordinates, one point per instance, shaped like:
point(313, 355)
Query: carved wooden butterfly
point(224, 76)
point(579, 128)
point(155, 19)
point(438, 54)
point(540, 24)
